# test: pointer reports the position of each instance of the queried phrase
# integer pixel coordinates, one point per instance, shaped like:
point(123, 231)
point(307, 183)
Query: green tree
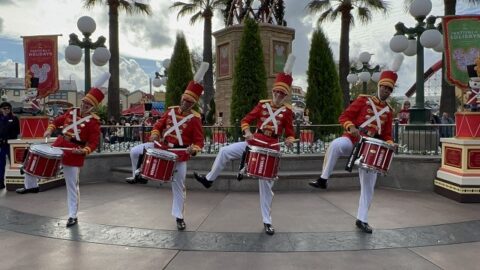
point(130, 7)
point(324, 96)
point(331, 10)
point(203, 9)
point(250, 77)
point(179, 72)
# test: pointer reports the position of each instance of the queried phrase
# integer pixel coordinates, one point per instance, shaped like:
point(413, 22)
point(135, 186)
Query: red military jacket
point(360, 111)
point(266, 130)
point(191, 131)
point(88, 132)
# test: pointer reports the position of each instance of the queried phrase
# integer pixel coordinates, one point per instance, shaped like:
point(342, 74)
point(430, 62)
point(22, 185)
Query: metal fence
point(412, 139)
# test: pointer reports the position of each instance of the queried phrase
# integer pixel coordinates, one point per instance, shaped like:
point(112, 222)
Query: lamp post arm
point(99, 43)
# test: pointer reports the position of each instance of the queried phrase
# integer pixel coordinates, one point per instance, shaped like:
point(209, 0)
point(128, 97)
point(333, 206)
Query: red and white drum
point(306, 136)
point(263, 163)
point(376, 155)
point(43, 161)
point(158, 165)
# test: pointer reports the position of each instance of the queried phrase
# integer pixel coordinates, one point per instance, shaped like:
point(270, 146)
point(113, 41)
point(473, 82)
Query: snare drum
point(158, 165)
point(43, 161)
point(376, 155)
point(263, 163)
point(219, 136)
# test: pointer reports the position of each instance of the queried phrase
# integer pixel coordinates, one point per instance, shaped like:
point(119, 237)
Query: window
point(59, 95)
point(16, 93)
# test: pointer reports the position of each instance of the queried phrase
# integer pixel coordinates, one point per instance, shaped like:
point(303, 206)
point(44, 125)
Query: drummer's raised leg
point(31, 185)
point(340, 147)
point(226, 153)
point(135, 153)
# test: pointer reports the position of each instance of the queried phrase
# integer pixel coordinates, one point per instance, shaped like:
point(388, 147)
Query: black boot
point(363, 226)
point(27, 190)
point(71, 222)
point(319, 183)
point(202, 179)
point(181, 224)
point(269, 229)
point(241, 168)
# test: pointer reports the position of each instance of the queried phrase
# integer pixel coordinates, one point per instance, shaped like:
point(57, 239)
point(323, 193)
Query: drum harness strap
point(272, 116)
point(376, 116)
point(176, 125)
point(75, 124)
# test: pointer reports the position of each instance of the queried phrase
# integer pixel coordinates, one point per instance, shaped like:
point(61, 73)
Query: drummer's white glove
point(191, 151)
point(289, 142)
point(154, 137)
point(248, 134)
point(47, 133)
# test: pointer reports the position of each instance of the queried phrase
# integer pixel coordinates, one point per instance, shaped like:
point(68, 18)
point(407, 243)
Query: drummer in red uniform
point(273, 117)
point(80, 134)
point(179, 127)
point(368, 116)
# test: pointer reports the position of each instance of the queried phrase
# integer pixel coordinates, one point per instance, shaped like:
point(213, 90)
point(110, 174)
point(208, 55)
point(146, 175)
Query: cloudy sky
point(146, 41)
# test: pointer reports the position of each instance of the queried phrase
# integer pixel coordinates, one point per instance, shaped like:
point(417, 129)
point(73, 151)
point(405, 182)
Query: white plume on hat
point(101, 80)
point(201, 72)
point(397, 62)
point(289, 64)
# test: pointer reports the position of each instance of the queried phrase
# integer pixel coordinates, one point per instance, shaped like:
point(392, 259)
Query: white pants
point(135, 152)
point(71, 174)
point(342, 147)
point(178, 189)
point(235, 151)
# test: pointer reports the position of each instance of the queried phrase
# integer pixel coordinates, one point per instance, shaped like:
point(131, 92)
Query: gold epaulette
point(196, 114)
point(288, 106)
point(173, 107)
point(95, 116)
point(265, 101)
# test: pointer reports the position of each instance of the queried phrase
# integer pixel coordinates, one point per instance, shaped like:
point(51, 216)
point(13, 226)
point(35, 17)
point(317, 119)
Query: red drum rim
point(165, 155)
point(379, 142)
point(46, 150)
point(266, 151)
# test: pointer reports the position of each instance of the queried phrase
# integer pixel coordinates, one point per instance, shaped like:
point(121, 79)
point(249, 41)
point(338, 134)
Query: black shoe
point(71, 222)
point(201, 178)
point(269, 229)
point(141, 180)
point(2, 185)
point(239, 176)
point(131, 180)
point(319, 183)
point(363, 226)
point(27, 190)
point(181, 224)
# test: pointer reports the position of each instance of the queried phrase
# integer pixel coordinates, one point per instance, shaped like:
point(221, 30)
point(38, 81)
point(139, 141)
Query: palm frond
point(325, 16)
point(316, 6)
point(185, 9)
point(364, 15)
point(377, 5)
point(198, 16)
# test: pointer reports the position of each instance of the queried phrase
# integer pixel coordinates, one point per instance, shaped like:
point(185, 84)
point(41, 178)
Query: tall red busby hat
point(284, 79)
point(95, 95)
point(194, 88)
point(389, 77)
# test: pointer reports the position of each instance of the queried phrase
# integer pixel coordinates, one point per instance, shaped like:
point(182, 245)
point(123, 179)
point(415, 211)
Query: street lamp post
point(73, 52)
point(424, 34)
point(365, 73)
point(161, 79)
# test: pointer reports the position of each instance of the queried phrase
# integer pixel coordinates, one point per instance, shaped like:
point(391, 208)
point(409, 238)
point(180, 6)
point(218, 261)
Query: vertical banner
point(41, 61)
point(462, 46)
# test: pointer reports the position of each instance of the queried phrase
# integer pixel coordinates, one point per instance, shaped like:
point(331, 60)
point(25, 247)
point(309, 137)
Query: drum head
point(46, 150)
point(265, 151)
point(164, 155)
point(378, 142)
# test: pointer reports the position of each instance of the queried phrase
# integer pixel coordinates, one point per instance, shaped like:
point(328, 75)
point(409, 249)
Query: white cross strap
point(76, 123)
point(176, 125)
point(272, 116)
point(477, 95)
point(376, 116)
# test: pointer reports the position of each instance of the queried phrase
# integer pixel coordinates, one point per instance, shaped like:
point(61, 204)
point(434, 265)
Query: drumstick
point(171, 149)
point(65, 148)
point(275, 144)
point(260, 141)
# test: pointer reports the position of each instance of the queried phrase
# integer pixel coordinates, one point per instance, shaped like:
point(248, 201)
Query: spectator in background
point(136, 130)
point(9, 129)
point(404, 114)
point(446, 131)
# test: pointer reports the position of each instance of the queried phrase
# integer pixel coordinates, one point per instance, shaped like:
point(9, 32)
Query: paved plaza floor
point(124, 226)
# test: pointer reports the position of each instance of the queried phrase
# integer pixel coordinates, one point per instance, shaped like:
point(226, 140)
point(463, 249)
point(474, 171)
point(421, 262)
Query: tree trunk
point(207, 57)
point(447, 98)
point(114, 66)
point(344, 63)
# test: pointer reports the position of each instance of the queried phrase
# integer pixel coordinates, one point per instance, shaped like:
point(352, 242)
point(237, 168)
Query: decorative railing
point(412, 139)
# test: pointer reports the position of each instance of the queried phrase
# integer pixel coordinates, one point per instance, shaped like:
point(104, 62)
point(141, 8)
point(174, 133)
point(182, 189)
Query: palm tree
point(203, 9)
point(130, 7)
point(343, 8)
